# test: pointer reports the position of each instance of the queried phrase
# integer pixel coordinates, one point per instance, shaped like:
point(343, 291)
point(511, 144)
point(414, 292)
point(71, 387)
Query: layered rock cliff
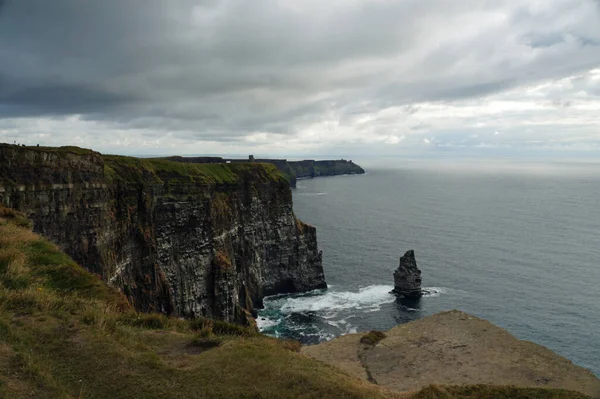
point(407, 277)
point(189, 239)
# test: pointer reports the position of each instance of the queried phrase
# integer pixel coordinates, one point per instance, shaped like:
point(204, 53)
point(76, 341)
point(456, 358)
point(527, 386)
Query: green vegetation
point(487, 392)
point(64, 149)
point(129, 169)
point(15, 217)
point(65, 334)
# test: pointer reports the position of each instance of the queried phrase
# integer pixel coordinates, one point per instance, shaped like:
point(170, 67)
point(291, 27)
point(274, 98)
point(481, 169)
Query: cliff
point(452, 348)
point(292, 170)
point(188, 239)
point(65, 334)
point(310, 168)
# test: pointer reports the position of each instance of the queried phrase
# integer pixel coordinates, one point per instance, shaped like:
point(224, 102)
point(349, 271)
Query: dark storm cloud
point(60, 100)
point(227, 68)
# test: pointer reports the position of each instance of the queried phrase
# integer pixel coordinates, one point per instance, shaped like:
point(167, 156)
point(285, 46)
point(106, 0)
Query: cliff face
point(189, 239)
point(309, 168)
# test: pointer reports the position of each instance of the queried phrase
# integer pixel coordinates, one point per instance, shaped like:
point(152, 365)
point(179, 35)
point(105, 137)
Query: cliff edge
point(452, 348)
point(309, 168)
point(65, 334)
point(187, 239)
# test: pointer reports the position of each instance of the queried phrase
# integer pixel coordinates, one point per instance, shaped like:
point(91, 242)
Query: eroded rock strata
point(187, 239)
point(407, 278)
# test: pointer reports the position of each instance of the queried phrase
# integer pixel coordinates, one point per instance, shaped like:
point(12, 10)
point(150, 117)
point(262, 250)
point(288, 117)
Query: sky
point(299, 78)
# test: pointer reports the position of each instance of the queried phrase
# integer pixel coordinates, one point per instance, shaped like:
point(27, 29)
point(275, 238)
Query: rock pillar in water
point(407, 278)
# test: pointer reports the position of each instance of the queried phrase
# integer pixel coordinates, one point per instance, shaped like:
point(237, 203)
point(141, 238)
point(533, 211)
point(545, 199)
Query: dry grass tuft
point(291, 345)
point(9, 215)
point(15, 236)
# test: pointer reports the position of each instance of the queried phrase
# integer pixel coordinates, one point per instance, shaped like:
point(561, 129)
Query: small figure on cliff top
point(407, 278)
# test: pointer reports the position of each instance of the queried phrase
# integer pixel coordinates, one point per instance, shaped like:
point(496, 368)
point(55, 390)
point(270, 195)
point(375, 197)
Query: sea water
point(516, 244)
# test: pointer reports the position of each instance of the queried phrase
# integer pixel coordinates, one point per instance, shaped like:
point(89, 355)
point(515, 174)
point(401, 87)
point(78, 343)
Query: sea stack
point(407, 278)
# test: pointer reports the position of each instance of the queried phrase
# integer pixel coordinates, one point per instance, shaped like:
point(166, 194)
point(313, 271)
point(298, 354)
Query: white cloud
point(275, 77)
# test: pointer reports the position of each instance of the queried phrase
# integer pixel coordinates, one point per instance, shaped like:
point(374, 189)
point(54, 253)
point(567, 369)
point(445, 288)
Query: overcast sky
point(283, 77)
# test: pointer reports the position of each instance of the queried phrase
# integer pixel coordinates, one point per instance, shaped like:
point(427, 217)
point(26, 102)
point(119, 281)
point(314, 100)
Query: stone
point(407, 278)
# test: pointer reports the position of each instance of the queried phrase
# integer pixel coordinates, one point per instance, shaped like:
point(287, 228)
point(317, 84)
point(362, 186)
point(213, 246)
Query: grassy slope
point(65, 334)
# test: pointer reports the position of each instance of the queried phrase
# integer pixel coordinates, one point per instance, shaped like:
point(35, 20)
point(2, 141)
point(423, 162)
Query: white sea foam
point(264, 322)
point(332, 307)
point(343, 325)
point(367, 298)
point(433, 292)
point(311, 194)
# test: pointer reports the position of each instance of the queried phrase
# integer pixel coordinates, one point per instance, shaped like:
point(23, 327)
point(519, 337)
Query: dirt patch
point(180, 353)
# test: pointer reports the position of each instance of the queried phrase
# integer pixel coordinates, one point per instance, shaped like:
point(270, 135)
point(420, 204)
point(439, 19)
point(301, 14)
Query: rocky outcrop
point(407, 278)
point(453, 348)
point(187, 239)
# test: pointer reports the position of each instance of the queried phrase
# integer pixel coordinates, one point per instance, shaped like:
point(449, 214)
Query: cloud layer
point(300, 77)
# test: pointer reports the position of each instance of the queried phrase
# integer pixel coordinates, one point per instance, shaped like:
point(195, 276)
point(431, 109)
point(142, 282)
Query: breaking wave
point(324, 314)
point(371, 297)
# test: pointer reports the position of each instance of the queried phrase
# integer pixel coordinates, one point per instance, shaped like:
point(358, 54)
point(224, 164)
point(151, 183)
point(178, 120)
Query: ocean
point(515, 243)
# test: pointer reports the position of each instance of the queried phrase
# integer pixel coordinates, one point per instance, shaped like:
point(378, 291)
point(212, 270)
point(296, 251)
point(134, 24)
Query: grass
point(65, 334)
point(65, 149)
point(15, 217)
point(162, 171)
point(129, 169)
point(489, 392)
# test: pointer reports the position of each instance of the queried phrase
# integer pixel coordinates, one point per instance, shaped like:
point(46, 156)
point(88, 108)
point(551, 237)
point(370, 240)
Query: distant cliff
point(292, 170)
point(309, 168)
point(183, 238)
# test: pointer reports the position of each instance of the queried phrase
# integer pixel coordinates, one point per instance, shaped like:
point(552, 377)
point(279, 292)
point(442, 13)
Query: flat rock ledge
point(453, 348)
